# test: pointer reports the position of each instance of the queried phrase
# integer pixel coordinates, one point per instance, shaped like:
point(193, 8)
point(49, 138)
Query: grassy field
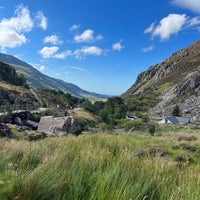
point(102, 166)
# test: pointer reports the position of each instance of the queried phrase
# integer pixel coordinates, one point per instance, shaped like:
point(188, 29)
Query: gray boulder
point(58, 126)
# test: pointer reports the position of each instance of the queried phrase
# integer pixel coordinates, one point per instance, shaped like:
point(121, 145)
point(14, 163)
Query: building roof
point(177, 120)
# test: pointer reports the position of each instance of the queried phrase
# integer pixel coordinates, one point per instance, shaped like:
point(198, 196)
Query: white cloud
point(1, 7)
point(48, 52)
point(84, 51)
point(74, 27)
point(195, 21)
point(12, 30)
point(38, 66)
point(77, 68)
point(63, 55)
point(51, 52)
point(87, 36)
point(168, 26)
point(3, 50)
point(193, 5)
point(147, 49)
point(41, 20)
point(117, 46)
point(53, 39)
point(58, 74)
point(150, 28)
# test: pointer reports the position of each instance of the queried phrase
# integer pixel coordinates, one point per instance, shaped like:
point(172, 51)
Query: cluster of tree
point(22, 81)
point(70, 100)
point(110, 111)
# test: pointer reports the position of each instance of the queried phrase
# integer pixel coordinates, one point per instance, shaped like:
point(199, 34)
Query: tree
point(22, 81)
point(97, 106)
point(113, 110)
point(176, 111)
point(87, 105)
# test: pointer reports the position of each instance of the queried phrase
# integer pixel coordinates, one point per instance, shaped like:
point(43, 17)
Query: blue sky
point(99, 45)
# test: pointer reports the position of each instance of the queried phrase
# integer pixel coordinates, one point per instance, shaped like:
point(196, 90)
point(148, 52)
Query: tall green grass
point(97, 167)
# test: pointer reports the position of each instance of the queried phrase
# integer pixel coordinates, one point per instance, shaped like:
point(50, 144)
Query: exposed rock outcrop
point(8, 74)
point(20, 118)
point(12, 96)
point(176, 81)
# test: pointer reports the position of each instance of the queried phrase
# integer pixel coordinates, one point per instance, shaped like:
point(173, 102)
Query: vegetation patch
point(100, 166)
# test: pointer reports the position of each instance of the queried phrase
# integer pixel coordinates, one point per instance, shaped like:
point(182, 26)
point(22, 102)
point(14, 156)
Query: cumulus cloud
point(52, 52)
point(74, 27)
point(147, 49)
point(193, 5)
point(117, 46)
point(168, 26)
point(41, 20)
point(13, 30)
point(48, 52)
point(87, 36)
point(87, 50)
point(52, 39)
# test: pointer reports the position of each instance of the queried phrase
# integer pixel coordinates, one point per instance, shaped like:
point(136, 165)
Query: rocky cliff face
point(176, 81)
point(8, 74)
point(12, 96)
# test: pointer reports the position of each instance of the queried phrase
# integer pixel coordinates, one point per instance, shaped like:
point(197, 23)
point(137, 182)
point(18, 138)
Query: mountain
point(166, 85)
point(37, 80)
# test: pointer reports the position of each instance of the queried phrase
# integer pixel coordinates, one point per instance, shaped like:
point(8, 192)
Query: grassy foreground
point(99, 167)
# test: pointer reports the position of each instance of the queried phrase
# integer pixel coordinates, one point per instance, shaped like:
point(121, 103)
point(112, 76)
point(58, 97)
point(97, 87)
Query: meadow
point(103, 166)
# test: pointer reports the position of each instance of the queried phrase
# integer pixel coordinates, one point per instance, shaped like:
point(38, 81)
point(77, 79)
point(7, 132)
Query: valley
point(58, 144)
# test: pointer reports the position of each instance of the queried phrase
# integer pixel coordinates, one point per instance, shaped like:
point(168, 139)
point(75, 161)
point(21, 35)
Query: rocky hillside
point(38, 80)
point(175, 81)
point(8, 74)
point(12, 95)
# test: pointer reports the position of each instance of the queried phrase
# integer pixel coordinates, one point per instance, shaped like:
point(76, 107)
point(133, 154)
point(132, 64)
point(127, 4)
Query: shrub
point(152, 129)
point(176, 111)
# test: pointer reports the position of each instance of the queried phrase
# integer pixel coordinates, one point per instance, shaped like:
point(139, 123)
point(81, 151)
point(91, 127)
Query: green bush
point(176, 111)
point(152, 130)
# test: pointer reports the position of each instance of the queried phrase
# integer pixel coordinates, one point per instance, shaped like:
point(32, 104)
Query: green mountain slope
point(38, 80)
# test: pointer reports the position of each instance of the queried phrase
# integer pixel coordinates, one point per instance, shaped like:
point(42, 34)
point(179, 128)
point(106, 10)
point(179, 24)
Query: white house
point(174, 120)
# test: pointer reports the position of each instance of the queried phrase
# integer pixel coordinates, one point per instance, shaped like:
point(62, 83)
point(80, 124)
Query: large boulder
point(59, 126)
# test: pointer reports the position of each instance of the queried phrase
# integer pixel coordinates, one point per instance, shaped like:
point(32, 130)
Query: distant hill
point(173, 82)
point(37, 80)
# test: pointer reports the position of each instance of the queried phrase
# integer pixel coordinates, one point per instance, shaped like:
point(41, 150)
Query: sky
point(99, 45)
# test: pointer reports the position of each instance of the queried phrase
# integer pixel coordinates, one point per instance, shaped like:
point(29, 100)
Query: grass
point(99, 167)
point(82, 114)
point(10, 87)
